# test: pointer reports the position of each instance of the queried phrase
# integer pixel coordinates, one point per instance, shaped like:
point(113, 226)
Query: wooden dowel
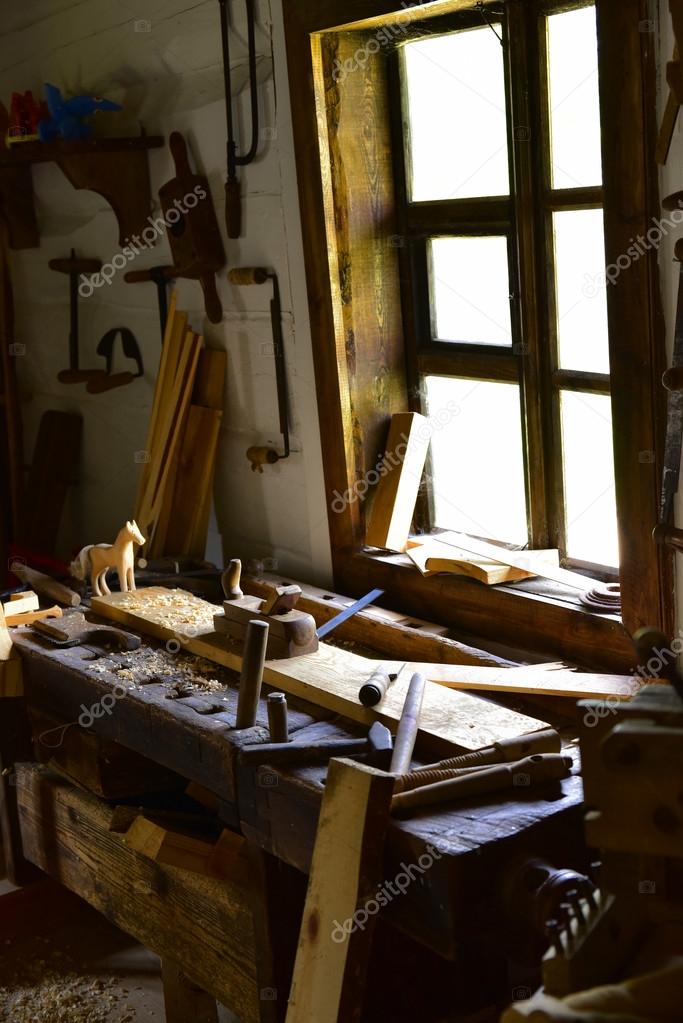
point(374, 690)
point(277, 717)
point(231, 580)
point(251, 676)
point(408, 726)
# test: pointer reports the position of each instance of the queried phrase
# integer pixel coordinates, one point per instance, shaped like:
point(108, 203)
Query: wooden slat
point(196, 462)
point(331, 964)
point(66, 832)
point(330, 678)
point(535, 680)
point(401, 474)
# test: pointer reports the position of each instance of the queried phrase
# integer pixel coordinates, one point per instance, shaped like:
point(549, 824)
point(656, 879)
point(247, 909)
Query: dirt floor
point(62, 962)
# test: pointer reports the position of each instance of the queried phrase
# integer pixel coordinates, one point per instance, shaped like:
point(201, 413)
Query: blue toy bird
point(66, 115)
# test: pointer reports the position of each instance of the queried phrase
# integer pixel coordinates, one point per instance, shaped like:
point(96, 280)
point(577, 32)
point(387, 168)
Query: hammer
point(378, 746)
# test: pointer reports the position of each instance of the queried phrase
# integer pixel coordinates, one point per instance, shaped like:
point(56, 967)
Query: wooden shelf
point(115, 168)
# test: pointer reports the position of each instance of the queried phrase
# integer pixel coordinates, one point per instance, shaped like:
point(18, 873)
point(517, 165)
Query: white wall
point(671, 180)
point(162, 60)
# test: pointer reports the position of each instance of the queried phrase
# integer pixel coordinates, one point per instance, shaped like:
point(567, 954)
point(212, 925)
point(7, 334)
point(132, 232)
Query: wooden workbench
point(67, 832)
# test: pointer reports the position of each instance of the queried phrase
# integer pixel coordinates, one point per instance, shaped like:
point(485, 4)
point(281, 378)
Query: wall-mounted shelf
point(115, 168)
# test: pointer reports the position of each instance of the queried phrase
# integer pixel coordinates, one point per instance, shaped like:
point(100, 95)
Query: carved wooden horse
point(99, 558)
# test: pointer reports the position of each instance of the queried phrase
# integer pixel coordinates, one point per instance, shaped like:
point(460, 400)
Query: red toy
point(24, 118)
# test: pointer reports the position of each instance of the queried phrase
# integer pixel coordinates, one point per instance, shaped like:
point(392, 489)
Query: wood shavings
point(40, 995)
point(187, 671)
point(174, 609)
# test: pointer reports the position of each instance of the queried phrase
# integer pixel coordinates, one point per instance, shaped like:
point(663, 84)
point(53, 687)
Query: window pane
point(590, 506)
point(581, 290)
point(574, 99)
point(470, 289)
point(477, 462)
point(457, 116)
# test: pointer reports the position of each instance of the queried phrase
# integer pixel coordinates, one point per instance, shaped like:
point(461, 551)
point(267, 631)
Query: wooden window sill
point(538, 615)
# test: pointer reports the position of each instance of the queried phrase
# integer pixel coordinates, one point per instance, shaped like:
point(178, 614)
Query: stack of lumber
point(174, 493)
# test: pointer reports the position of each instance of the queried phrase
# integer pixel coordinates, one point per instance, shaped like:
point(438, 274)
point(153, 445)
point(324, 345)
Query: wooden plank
point(330, 678)
point(196, 462)
point(175, 913)
point(331, 963)
point(535, 679)
point(401, 470)
point(432, 556)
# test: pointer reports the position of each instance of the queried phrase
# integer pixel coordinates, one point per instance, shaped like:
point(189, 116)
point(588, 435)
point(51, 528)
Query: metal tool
point(374, 690)
point(107, 381)
point(277, 717)
point(349, 612)
point(539, 768)
point(251, 676)
point(245, 276)
point(506, 750)
point(408, 725)
point(377, 747)
point(674, 420)
point(161, 276)
point(73, 268)
point(233, 209)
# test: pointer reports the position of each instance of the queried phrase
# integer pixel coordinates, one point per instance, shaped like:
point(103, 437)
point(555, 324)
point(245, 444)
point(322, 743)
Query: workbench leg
point(277, 901)
point(15, 746)
point(184, 1001)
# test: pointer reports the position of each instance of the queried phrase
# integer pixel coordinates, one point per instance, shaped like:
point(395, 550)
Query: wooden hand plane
point(291, 632)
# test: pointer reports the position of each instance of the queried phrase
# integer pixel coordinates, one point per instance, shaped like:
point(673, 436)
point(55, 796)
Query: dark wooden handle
point(178, 148)
point(230, 580)
point(233, 208)
point(78, 266)
point(212, 303)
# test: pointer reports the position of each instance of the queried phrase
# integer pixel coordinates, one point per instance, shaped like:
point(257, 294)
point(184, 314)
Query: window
point(475, 158)
point(456, 230)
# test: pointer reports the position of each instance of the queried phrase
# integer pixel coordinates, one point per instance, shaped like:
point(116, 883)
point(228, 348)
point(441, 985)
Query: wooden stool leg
point(184, 1001)
point(336, 931)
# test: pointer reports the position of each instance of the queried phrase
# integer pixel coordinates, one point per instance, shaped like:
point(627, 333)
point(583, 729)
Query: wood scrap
point(29, 617)
point(171, 847)
point(530, 679)
point(432, 556)
point(400, 474)
point(10, 664)
point(21, 602)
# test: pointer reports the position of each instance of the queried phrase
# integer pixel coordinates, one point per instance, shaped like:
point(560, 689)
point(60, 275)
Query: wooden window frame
point(352, 241)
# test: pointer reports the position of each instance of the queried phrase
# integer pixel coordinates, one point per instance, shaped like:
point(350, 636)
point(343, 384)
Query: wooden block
point(392, 511)
point(172, 848)
point(20, 603)
point(277, 647)
point(295, 629)
point(202, 922)
point(11, 682)
point(336, 930)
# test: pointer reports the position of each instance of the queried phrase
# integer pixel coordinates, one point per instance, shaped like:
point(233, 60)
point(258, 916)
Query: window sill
point(539, 615)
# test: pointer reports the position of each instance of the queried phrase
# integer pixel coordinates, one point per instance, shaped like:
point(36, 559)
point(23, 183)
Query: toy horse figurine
point(99, 558)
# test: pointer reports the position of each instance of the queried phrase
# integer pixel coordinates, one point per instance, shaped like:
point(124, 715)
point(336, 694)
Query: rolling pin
point(45, 584)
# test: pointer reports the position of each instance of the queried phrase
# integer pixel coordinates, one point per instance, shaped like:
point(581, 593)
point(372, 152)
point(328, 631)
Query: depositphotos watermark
point(644, 243)
point(391, 459)
point(648, 672)
point(139, 242)
point(384, 37)
point(385, 894)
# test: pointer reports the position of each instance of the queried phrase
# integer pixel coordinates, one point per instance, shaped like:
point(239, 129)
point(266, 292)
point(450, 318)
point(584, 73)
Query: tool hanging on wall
point(193, 232)
point(161, 276)
point(107, 381)
point(260, 456)
point(73, 268)
point(233, 210)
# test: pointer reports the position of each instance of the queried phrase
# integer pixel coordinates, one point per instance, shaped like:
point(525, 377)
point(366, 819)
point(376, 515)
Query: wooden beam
point(183, 1000)
point(66, 832)
point(336, 930)
point(330, 678)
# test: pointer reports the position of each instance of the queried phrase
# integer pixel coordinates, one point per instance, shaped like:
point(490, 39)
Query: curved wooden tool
point(75, 630)
point(193, 233)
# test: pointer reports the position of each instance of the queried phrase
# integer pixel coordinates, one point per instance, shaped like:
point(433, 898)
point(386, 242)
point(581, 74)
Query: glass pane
point(590, 506)
point(470, 288)
point(477, 462)
point(457, 116)
point(574, 99)
point(581, 290)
